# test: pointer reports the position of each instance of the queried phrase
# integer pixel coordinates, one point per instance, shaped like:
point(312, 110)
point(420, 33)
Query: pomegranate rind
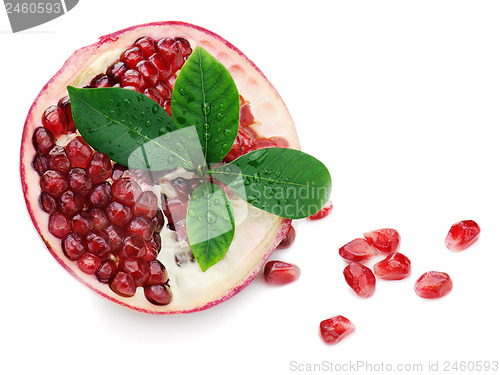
point(267, 106)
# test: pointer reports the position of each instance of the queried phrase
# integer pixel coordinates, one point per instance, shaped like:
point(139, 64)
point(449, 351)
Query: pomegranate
point(433, 284)
point(462, 235)
point(360, 278)
point(335, 329)
point(280, 273)
point(358, 250)
point(395, 266)
point(101, 221)
point(386, 240)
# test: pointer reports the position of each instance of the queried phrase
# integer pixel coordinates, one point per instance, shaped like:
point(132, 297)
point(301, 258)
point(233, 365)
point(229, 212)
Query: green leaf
point(288, 183)
point(206, 96)
point(133, 129)
point(210, 224)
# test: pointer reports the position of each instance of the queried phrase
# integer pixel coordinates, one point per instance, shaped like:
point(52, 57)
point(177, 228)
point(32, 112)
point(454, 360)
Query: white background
point(400, 99)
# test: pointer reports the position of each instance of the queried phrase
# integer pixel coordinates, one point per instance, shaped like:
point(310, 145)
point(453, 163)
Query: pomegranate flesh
point(462, 235)
point(122, 232)
point(433, 285)
point(335, 329)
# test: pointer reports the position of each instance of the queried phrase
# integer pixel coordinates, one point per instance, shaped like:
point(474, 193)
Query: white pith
point(256, 231)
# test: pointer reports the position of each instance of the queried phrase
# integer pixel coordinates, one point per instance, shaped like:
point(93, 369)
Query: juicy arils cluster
point(107, 216)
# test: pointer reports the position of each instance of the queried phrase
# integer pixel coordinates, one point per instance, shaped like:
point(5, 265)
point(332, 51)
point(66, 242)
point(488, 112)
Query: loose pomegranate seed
point(395, 267)
point(323, 212)
point(157, 273)
point(40, 164)
point(288, 240)
point(43, 140)
point(163, 66)
point(101, 80)
point(386, 240)
point(123, 284)
point(151, 251)
point(73, 246)
point(59, 225)
point(99, 218)
point(132, 56)
point(358, 250)
point(116, 70)
point(133, 246)
point(98, 243)
point(138, 268)
point(132, 78)
point(58, 160)
point(115, 235)
point(142, 226)
point(158, 294)
point(462, 235)
point(70, 203)
point(360, 278)
point(65, 105)
point(99, 168)
point(89, 263)
point(106, 271)
point(146, 45)
point(82, 223)
point(280, 273)
point(126, 191)
point(100, 195)
point(148, 71)
point(79, 181)
point(53, 183)
point(54, 119)
point(118, 214)
point(146, 205)
point(433, 284)
point(48, 203)
point(79, 152)
point(335, 329)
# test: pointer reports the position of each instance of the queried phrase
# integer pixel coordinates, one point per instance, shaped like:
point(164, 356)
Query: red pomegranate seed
point(280, 142)
point(148, 71)
point(158, 294)
point(262, 143)
point(288, 240)
point(43, 140)
point(146, 45)
point(174, 210)
point(40, 164)
point(157, 273)
point(79, 181)
point(163, 66)
point(183, 46)
point(98, 243)
point(133, 88)
point(360, 278)
point(118, 170)
point(395, 267)
point(358, 250)
point(153, 94)
point(58, 160)
point(70, 203)
point(138, 268)
point(151, 251)
point(123, 284)
point(79, 152)
point(433, 284)
point(180, 230)
point(246, 116)
point(65, 105)
point(101, 80)
point(106, 271)
point(142, 226)
point(116, 70)
point(48, 203)
point(54, 119)
point(82, 223)
point(170, 50)
point(99, 168)
point(53, 183)
point(158, 221)
point(335, 329)
point(462, 235)
point(115, 235)
point(118, 214)
point(132, 56)
point(126, 191)
point(99, 218)
point(134, 79)
point(73, 246)
point(157, 240)
point(323, 212)
point(386, 240)
point(146, 204)
point(164, 90)
point(100, 195)
point(89, 263)
point(133, 246)
point(59, 225)
point(280, 273)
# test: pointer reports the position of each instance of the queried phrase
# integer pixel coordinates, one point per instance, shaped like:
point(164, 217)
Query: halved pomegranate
point(122, 232)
